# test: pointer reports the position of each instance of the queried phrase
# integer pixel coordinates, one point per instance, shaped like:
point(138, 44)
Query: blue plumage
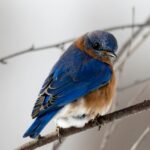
point(74, 75)
point(39, 124)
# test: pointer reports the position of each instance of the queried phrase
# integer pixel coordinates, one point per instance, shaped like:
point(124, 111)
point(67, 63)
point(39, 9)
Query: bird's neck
point(79, 43)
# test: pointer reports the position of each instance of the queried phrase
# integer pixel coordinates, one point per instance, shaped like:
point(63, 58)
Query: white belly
point(75, 116)
point(72, 116)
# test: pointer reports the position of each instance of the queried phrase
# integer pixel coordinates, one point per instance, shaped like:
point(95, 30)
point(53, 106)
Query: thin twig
point(33, 49)
point(132, 29)
point(144, 37)
point(138, 93)
point(102, 120)
point(60, 45)
point(127, 43)
point(137, 82)
point(130, 52)
point(114, 125)
point(105, 138)
point(140, 139)
point(57, 144)
point(109, 131)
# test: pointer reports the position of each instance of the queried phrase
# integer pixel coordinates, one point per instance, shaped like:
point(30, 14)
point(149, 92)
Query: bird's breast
point(99, 101)
point(78, 113)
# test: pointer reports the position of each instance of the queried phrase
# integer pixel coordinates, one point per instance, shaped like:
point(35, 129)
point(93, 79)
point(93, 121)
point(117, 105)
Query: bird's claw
point(58, 130)
point(39, 137)
point(96, 122)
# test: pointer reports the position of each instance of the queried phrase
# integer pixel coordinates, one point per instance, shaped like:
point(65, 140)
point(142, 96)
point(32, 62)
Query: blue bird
point(80, 86)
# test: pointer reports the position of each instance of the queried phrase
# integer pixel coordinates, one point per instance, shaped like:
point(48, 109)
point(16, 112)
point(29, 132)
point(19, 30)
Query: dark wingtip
point(33, 136)
point(25, 135)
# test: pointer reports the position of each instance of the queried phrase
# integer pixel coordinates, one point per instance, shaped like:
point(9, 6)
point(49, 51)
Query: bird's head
point(99, 44)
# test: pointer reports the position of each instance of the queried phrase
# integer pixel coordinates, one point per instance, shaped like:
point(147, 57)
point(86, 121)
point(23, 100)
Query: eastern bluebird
point(80, 86)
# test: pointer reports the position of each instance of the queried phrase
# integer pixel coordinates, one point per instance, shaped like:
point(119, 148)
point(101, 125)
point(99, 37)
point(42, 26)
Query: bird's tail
point(39, 124)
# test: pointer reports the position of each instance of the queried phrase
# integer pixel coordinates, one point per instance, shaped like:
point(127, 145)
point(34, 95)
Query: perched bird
point(80, 86)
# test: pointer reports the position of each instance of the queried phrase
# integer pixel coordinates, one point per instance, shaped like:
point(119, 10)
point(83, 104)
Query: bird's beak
point(111, 54)
point(106, 53)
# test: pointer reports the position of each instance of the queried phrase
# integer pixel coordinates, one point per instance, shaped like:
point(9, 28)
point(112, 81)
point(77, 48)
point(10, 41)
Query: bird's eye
point(96, 45)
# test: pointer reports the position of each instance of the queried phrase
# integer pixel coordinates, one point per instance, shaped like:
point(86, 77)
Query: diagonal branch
point(137, 82)
point(130, 52)
point(109, 132)
point(34, 49)
point(57, 144)
point(128, 42)
point(140, 139)
point(145, 105)
point(61, 44)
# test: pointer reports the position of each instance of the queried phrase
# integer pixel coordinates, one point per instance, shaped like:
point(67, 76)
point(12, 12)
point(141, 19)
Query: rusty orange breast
point(97, 101)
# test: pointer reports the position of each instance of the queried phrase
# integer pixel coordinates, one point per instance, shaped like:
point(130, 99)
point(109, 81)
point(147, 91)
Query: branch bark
point(128, 42)
point(145, 105)
point(60, 45)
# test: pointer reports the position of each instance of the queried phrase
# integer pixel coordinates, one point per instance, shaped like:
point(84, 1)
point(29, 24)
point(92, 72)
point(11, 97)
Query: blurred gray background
point(43, 22)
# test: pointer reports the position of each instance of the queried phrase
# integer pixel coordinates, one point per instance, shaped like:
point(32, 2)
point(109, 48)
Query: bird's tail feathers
point(39, 123)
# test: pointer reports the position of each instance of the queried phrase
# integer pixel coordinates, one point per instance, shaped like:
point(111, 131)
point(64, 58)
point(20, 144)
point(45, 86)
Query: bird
point(80, 86)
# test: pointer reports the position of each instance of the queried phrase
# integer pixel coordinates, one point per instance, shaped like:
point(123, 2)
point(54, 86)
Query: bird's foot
point(39, 137)
point(97, 122)
point(58, 130)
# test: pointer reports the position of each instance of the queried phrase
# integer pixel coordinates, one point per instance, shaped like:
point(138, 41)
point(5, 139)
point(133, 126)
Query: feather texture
point(80, 85)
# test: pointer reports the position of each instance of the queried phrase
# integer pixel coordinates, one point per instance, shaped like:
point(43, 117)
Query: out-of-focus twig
point(120, 68)
point(133, 84)
point(102, 120)
point(127, 43)
point(131, 51)
point(110, 129)
point(140, 139)
point(137, 95)
point(34, 49)
point(140, 92)
point(144, 37)
point(57, 144)
point(60, 45)
point(105, 138)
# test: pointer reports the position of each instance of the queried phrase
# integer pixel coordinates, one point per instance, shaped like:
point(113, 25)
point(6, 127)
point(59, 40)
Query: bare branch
point(105, 138)
point(33, 49)
point(144, 37)
point(61, 44)
point(146, 24)
point(102, 120)
point(127, 43)
point(57, 144)
point(111, 129)
point(130, 52)
point(138, 93)
point(140, 139)
point(134, 84)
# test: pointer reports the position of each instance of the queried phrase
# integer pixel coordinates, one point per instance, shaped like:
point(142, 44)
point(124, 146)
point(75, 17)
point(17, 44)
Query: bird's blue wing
point(75, 75)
